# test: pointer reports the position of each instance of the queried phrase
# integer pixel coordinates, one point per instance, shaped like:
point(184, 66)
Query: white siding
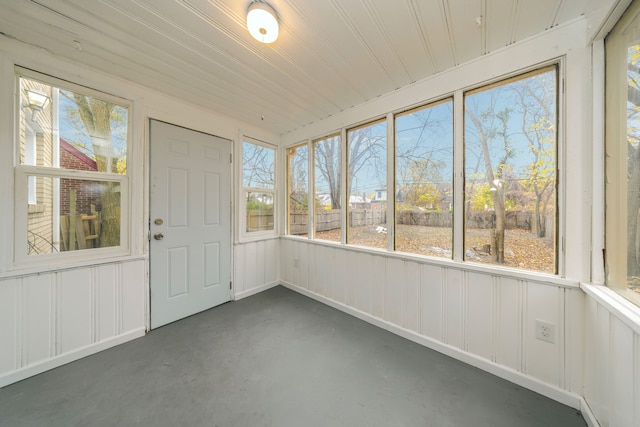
point(612, 358)
point(52, 318)
point(486, 317)
point(256, 267)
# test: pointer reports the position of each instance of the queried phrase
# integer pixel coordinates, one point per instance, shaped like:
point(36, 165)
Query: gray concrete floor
point(274, 359)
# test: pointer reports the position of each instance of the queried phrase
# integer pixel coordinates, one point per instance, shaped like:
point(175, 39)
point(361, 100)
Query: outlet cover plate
point(545, 331)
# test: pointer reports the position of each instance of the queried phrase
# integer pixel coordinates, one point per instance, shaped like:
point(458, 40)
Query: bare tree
point(327, 160)
point(97, 117)
point(491, 131)
point(536, 102)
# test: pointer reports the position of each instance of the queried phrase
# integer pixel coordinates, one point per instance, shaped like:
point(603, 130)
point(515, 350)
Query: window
point(328, 214)
point(71, 181)
point(297, 189)
point(623, 155)
point(424, 180)
point(367, 185)
point(258, 182)
point(510, 172)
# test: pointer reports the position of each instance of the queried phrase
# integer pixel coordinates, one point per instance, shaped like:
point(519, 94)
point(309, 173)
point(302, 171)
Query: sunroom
point(461, 174)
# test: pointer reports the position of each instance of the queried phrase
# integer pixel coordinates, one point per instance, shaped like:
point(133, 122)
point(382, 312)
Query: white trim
point(525, 275)
point(243, 234)
point(249, 292)
point(565, 397)
point(40, 269)
point(624, 310)
point(54, 362)
point(587, 414)
point(598, 159)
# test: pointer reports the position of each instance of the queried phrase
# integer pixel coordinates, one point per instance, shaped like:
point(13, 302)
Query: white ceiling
point(331, 54)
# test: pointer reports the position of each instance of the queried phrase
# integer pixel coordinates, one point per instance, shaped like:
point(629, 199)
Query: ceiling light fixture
point(262, 21)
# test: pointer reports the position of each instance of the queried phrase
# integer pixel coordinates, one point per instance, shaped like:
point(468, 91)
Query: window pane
point(622, 155)
point(90, 133)
point(259, 211)
point(510, 173)
point(328, 215)
point(424, 184)
point(258, 166)
point(85, 214)
point(367, 185)
point(298, 187)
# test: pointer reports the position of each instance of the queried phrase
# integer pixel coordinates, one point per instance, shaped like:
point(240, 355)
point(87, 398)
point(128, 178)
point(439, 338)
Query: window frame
point(21, 257)
point(616, 47)
point(559, 147)
point(389, 150)
point(243, 234)
point(310, 196)
point(457, 97)
point(430, 104)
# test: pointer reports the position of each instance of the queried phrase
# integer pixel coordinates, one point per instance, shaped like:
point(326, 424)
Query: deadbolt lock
point(158, 221)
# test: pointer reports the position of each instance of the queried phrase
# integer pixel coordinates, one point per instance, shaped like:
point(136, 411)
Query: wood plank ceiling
point(331, 54)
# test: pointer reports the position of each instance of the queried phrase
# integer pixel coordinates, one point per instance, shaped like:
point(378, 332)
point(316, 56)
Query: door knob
point(158, 236)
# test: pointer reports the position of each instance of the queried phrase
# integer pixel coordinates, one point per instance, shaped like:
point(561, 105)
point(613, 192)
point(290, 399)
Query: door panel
point(190, 212)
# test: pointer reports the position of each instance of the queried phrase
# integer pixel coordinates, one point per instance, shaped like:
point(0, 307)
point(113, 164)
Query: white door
point(190, 222)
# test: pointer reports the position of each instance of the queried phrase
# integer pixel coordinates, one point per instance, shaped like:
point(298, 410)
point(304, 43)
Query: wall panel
point(411, 296)
point(612, 358)
point(37, 318)
point(544, 359)
point(468, 313)
point(9, 337)
point(509, 327)
point(106, 291)
point(431, 301)
point(74, 309)
point(256, 266)
point(393, 289)
point(479, 330)
point(51, 318)
point(453, 321)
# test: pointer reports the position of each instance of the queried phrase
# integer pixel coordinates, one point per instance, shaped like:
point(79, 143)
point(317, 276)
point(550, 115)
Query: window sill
point(35, 208)
point(623, 309)
point(444, 262)
point(21, 271)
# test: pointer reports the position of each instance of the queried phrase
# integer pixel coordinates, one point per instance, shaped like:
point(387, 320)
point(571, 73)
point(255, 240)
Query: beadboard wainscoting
point(486, 319)
point(256, 267)
point(51, 318)
point(612, 357)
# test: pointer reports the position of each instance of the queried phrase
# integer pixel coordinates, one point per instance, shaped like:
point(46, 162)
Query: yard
point(523, 249)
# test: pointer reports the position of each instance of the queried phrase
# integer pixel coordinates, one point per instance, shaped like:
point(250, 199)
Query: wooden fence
point(259, 219)
point(330, 219)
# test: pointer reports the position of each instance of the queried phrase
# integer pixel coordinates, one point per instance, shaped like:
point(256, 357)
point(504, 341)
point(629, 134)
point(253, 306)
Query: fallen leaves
point(523, 250)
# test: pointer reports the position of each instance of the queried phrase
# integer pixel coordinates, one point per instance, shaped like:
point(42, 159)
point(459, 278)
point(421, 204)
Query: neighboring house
point(36, 149)
point(87, 192)
point(359, 202)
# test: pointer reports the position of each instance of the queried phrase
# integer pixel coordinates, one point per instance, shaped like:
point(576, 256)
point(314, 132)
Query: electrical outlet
point(545, 331)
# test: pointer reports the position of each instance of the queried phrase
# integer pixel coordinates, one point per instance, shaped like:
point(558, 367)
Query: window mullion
point(391, 182)
point(458, 176)
point(344, 198)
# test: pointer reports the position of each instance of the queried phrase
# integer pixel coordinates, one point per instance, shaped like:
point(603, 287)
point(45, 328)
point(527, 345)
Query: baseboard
point(256, 290)
point(587, 414)
point(567, 398)
point(63, 359)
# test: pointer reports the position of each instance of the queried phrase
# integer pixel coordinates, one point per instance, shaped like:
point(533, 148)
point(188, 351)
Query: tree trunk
point(497, 234)
point(96, 116)
point(110, 217)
